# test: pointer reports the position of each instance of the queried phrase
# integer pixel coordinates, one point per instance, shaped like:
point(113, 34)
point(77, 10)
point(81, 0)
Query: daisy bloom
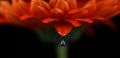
point(63, 15)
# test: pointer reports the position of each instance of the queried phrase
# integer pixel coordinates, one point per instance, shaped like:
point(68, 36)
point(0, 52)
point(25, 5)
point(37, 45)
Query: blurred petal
point(75, 23)
point(4, 4)
point(3, 21)
point(81, 3)
point(44, 4)
point(5, 7)
point(74, 11)
point(106, 7)
point(78, 13)
point(53, 3)
point(104, 3)
point(72, 4)
point(114, 13)
point(63, 5)
point(104, 11)
point(86, 20)
point(48, 20)
point(20, 7)
point(24, 17)
point(90, 6)
point(13, 19)
point(38, 11)
point(110, 24)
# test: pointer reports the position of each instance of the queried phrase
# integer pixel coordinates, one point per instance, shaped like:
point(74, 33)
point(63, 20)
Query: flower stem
point(61, 52)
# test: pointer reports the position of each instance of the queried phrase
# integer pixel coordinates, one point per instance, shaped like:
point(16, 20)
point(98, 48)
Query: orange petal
point(74, 11)
point(24, 4)
point(12, 18)
point(107, 3)
point(25, 17)
point(5, 7)
point(38, 11)
point(112, 14)
point(77, 13)
point(90, 6)
point(4, 4)
point(72, 4)
point(81, 3)
point(53, 3)
point(44, 4)
point(90, 3)
point(56, 11)
point(74, 23)
point(48, 20)
point(20, 7)
point(104, 3)
point(104, 6)
point(63, 5)
point(35, 2)
point(86, 20)
point(105, 11)
point(63, 29)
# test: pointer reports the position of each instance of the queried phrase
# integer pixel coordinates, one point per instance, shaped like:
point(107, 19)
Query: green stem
point(61, 52)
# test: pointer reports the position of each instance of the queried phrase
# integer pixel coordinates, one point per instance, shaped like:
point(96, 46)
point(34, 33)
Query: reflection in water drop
point(62, 43)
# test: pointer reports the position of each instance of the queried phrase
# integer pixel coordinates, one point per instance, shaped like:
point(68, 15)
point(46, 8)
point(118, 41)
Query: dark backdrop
point(18, 42)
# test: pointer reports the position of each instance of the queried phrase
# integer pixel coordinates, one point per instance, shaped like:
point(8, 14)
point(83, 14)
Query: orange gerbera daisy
point(63, 15)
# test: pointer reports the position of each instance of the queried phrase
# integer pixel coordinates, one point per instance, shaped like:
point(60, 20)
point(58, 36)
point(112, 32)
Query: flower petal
point(90, 6)
point(81, 3)
point(38, 11)
point(114, 13)
point(4, 4)
point(106, 6)
point(63, 29)
point(48, 20)
point(12, 18)
point(72, 4)
point(74, 11)
point(75, 23)
point(86, 20)
point(63, 5)
point(53, 3)
point(25, 17)
point(44, 4)
point(5, 7)
point(19, 5)
point(77, 13)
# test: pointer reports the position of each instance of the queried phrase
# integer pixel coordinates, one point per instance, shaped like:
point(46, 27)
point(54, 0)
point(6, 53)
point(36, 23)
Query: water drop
point(62, 43)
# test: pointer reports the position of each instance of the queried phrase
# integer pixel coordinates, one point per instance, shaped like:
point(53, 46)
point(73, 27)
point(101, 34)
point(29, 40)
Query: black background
point(18, 42)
